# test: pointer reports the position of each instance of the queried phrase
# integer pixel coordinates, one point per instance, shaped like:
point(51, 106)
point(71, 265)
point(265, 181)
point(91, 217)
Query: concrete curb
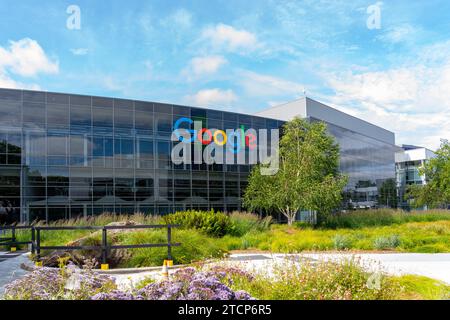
point(137, 270)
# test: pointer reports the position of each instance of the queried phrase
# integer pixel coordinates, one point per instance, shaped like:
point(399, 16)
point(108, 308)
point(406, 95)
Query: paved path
point(10, 267)
point(436, 266)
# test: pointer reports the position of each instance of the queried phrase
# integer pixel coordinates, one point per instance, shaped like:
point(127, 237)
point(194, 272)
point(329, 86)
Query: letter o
point(200, 136)
point(224, 135)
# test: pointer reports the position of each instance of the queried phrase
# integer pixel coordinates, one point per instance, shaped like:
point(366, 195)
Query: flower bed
point(71, 283)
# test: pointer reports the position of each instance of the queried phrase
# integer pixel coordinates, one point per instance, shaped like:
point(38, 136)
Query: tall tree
point(436, 192)
point(308, 177)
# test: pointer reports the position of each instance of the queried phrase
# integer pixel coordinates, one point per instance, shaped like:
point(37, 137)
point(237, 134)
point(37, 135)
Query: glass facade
point(367, 162)
point(408, 174)
point(65, 156)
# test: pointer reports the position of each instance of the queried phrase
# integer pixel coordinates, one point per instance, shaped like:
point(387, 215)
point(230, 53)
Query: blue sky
point(242, 55)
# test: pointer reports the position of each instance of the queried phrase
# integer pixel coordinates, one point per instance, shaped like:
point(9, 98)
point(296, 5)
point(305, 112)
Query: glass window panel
point(102, 117)
point(34, 96)
point(10, 112)
point(98, 149)
point(127, 147)
point(3, 142)
point(163, 150)
point(34, 112)
point(214, 114)
point(162, 108)
point(143, 106)
point(181, 110)
point(146, 149)
point(80, 115)
point(109, 147)
point(10, 94)
point(57, 115)
point(35, 176)
point(36, 148)
point(163, 122)
point(9, 177)
point(14, 143)
point(198, 113)
point(102, 102)
point(144, 120)
point(77, 145)
point(57, 176)
point(81, 176)
point(57, 145)
point(80, 100)
point(228, 116)
point(58, 98)
point(123, 118)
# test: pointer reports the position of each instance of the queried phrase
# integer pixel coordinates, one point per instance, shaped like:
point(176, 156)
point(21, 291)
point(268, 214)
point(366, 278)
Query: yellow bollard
point(38, 264)
point(13, 249)
point(104, 266)
point(165, 270)
point(169, 263)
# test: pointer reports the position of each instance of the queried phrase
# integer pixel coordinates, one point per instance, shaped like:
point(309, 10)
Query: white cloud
point(256, 84)
point(411, 100)
point(7, 82)
point(26, 58)
point(212, 97)
point(205, 65)
point(80, 51)
point(226, 37)
point(401, 33)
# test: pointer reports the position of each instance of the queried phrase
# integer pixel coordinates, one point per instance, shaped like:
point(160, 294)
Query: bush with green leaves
point(321, 280)
point(244, 222)
point(342, 242)
point(216, 224)
point(303, 225)
point(388, 242)
point(195, 246)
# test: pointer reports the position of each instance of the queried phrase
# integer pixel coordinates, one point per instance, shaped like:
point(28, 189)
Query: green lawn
point(427, 237)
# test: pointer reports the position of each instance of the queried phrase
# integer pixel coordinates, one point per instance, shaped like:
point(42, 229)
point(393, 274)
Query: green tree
point(308, 177)
point(436, 192)
point(388, 194)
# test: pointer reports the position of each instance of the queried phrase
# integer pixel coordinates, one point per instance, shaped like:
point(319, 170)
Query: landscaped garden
point(346, 280)
point(206, 235)
point(209, 236)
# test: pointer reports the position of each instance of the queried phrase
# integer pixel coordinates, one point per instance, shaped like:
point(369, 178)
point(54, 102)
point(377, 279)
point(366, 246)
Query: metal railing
point(12, 241)
point(105, 248)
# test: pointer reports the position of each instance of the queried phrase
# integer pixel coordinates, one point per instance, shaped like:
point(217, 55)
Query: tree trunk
point(291, 218)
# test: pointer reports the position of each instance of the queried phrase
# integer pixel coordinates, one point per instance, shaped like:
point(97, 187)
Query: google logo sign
point(235, 139)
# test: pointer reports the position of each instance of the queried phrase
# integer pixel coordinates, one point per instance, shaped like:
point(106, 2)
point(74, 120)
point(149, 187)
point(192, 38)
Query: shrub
point(185, 284)
point(245, 222)
point(55, 284)
point(215, 224)
point(382, 217)
point(360, 219)
point(342, 242)
point(195, 246)
point(302, 225)
point(324, 280)
point(389, 242)
point(189, 284)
